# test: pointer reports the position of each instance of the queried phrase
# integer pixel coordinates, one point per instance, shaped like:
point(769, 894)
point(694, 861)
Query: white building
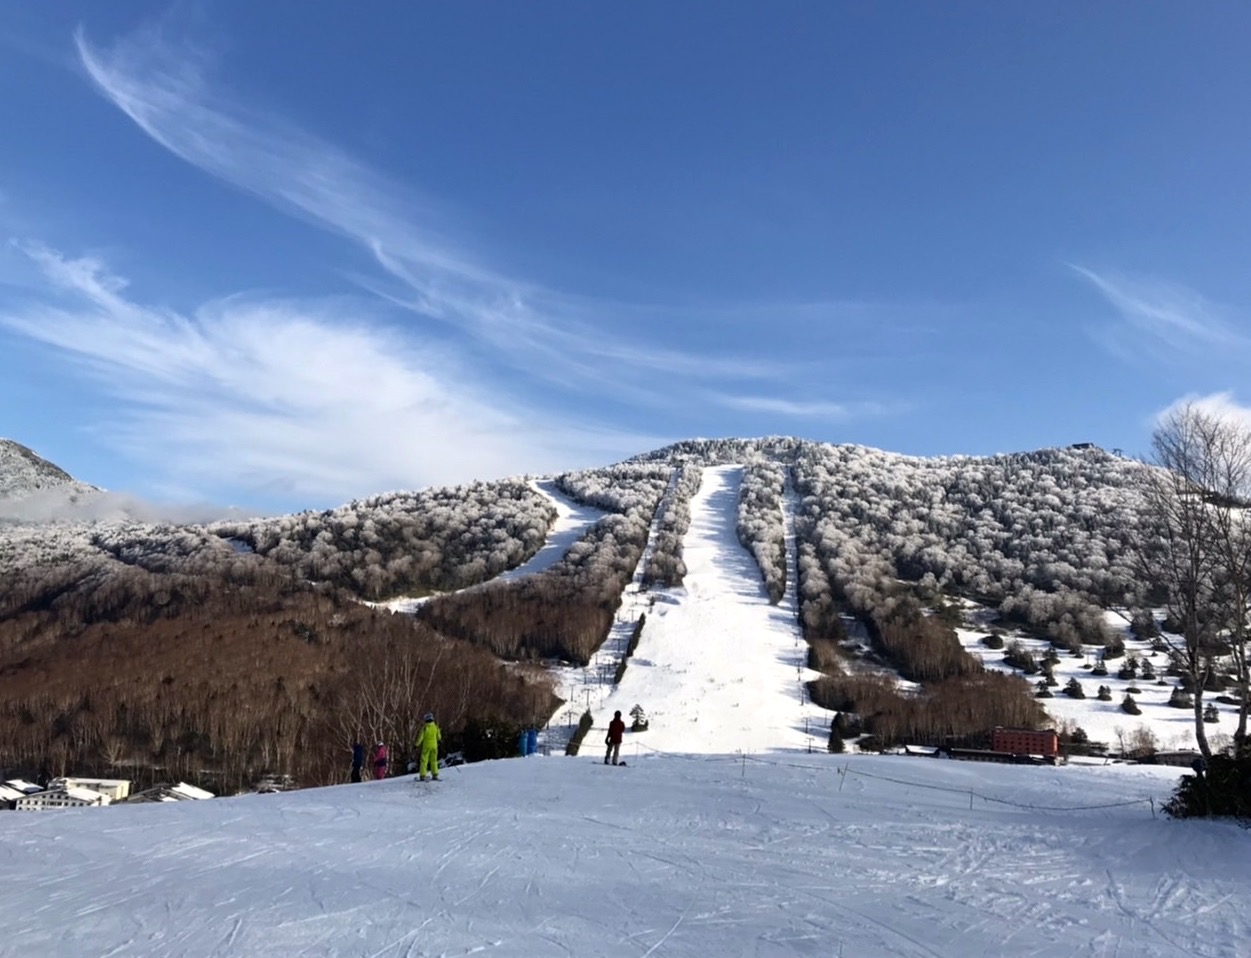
point(14, 789)
point(115, 789)
point(181, 792)
point(60, 798)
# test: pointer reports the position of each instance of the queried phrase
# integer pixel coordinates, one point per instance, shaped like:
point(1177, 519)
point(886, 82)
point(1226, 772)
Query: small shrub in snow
point(836, 743)
point(1074, 689)
point(1129, 706)
point(639, 722)
point(1181, 699)
point(1222, 789)
point(1019, 657)
point(1215, 682)
point(1104, 694)
point(992, 641)
point(1143, 625)
point(1210, 714)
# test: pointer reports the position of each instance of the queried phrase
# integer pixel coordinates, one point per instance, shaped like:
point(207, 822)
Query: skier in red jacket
point(616, 728)
point(380, 761)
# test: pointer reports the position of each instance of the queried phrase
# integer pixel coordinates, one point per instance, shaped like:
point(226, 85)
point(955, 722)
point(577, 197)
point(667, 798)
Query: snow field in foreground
point(671, 856)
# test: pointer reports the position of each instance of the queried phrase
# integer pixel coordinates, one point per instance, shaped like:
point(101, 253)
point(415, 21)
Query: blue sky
point(284, 254)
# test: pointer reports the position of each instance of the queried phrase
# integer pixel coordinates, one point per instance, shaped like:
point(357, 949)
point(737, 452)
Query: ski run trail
point(572, 521)
point(719, 670)
point(724, 835)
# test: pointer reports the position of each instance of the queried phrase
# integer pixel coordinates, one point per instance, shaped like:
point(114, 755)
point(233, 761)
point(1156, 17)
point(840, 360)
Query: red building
point(1025, 741)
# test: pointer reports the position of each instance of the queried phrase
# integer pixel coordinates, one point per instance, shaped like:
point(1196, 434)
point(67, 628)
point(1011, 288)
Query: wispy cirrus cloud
point(163, 88)
point(290, 398)
point(1159, 317)
point(294, 398)
point(543, 334)
point(805, 409)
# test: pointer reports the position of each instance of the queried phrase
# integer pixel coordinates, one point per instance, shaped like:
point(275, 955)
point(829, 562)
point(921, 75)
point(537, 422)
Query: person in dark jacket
point(616, 728)
point(358, 760)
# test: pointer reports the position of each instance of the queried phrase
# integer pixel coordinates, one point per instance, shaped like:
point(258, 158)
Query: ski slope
point(719, 670)
point(682, 858)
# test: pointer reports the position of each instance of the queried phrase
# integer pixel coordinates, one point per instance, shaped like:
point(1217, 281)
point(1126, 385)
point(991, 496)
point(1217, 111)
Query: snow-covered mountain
point(23, 473)
point(32, 489)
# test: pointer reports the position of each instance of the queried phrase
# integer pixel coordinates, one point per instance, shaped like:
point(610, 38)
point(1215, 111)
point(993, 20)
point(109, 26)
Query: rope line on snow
point(949, 789)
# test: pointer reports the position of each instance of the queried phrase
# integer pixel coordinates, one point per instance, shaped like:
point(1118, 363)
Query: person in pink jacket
point(380, 761)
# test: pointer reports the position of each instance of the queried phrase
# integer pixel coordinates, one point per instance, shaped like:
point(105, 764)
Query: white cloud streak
point(1159, 315)
point(295, 399)
point(290, 398)
point(805, 409)
point(541, 332)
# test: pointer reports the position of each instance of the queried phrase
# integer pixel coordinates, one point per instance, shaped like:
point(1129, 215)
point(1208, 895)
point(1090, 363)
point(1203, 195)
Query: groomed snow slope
point(676, 857)
point(718, 670)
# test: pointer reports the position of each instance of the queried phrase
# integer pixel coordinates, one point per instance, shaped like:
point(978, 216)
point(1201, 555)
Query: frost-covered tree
point(407, 542)
point(665, 566)
point(760, 525)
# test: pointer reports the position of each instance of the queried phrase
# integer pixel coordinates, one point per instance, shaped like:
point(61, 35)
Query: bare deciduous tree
point(1194, 551)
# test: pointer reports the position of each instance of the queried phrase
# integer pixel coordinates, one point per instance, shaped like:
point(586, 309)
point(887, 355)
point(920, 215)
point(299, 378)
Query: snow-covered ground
point(1172, 728)
point(719, 670)
point(780, 856)
point(572, 522)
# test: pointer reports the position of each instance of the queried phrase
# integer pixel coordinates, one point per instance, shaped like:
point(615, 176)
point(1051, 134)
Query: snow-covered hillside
point(804, 855)
point(23, 472)
point(572, 521)
point(33, 489)
point(1157, 726)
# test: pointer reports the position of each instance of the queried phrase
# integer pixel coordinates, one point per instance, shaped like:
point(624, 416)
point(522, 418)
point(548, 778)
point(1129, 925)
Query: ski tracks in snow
point(718, 669)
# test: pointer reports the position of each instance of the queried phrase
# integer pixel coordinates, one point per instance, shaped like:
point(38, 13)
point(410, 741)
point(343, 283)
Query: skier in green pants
point(428, 744)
